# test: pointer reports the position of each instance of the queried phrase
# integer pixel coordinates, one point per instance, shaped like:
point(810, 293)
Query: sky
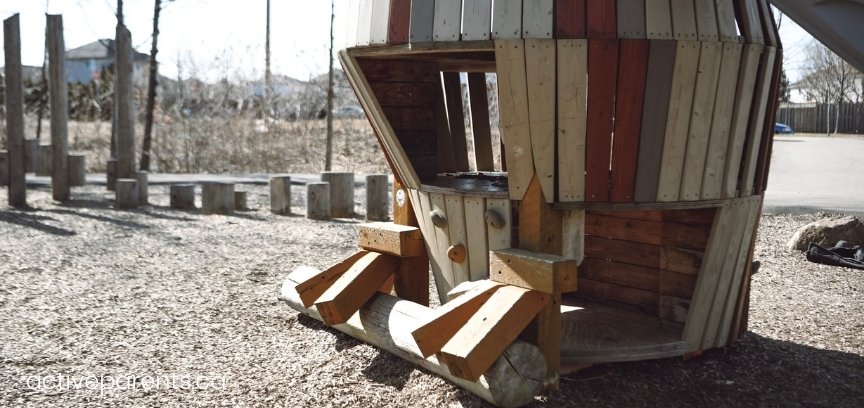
point(225, 38)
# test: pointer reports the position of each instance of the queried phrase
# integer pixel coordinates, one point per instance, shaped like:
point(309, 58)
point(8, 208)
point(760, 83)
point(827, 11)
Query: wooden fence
point(817, 117)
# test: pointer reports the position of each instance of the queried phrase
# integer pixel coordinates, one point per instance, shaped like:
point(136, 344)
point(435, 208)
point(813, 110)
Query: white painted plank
point(364, 22)
point(380, 21)
point(537, 19)
point(658, 20)
point(448, 20)
point(422, 20)
point(476, 20)
point(507, 19)
point(683, 19)
point(706, 20)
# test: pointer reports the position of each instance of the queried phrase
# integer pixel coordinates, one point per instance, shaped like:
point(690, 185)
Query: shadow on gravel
point(35, 222)
point(122, 223)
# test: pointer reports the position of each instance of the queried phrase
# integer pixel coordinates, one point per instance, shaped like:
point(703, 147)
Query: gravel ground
point(171, 308)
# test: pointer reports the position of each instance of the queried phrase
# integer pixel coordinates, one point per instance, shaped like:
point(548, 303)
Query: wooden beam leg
point(412, 278)
point(355, 287)
point(312, 289)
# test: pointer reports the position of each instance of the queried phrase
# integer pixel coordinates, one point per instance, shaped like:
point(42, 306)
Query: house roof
point(99, 49)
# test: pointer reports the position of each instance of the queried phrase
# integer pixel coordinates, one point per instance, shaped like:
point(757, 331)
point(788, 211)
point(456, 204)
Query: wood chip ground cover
point(137, 296)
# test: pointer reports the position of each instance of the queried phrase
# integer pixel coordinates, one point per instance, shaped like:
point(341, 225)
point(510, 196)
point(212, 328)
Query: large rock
point(827, 232)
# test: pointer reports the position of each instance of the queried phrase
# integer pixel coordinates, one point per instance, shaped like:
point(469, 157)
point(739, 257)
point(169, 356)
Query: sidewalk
point(168, 179)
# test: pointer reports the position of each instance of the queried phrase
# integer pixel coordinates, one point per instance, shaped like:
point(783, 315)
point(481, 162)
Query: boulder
point(828, 232)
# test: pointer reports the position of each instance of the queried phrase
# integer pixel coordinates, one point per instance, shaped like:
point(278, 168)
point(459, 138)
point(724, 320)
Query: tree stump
point(183, 196)
point(341, 193)
point(377, 198)
point(77, 169)
point(127, 194)
point(240, 203)
point(143, 187)
point(46, 160)
point(280, 194)
point(4, 168)
point(111, 174)
point(31, 155)
point(217, 198)
point(318, 201)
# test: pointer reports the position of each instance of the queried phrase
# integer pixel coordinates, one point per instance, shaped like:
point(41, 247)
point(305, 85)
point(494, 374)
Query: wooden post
point(31, 155)
point(280, 195)
point(217, 198)
point(77, 169)
point(127, 194)
point(4, 168)
point(183, 196)
point(59, 109)
point(412, 278)
point(377, 198)
point(341, 193)
point(46, 153)
point(111, 174)
point(318, 201)
point(125, 104)
point(14, 111)
point(143, 187)
point(240, 202)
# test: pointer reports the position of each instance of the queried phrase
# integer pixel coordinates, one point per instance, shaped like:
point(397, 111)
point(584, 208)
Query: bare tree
point(151, 90)
point(827, 78)
point(328, 164)
point(268, 77)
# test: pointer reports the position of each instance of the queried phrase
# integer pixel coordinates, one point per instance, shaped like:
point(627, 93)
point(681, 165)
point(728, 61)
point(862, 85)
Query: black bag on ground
point(842, 254)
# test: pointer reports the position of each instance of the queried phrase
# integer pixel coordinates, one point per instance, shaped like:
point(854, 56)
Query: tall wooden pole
point(267, 74)
point(125, 104)
point(14, 111)
point(59, 108)
point(329, 160)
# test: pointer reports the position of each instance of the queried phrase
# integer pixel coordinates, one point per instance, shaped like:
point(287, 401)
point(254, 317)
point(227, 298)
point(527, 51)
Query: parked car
point(783, 129)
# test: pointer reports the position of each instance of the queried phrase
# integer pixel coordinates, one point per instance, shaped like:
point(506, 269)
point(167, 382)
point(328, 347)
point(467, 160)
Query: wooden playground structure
point(619, 222)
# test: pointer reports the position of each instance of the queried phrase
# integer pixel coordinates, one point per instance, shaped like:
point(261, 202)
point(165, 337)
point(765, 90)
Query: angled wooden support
point(498, 322)
point(312, 289)
point(533, 270)
point(394, 239)
point(356, 286)
point(432, 335)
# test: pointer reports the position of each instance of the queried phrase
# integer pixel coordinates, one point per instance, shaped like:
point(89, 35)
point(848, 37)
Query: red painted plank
point(632, 73)
point(602, 75)
point(602, 20)
point(570, 18)
point(400, 17)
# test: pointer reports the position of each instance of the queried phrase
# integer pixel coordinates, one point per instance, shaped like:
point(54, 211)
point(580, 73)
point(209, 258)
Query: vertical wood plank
point(456, 118)
point(478, 244)
point(678, 120)
point(445, 157)
point(700, 120)
point(764, 162)
point(747, 13)
point(351, 28)
point(726, 25)
point(448, 20)
point(411, 281)
point(661, 59)
point(58, 97)
point(658, 20)
point(768, 27)
point(572, 115)
point(631, 19)
point(601, 19)
point(570, 19)
point(573, 235)
point(540, 67)
point(400, 22)
point(422, 20)
point(514, 120)
point(694, 327)
point(441, 269)
point(683, 20)
point(632, 75)
point(721, 124)
point(740, 117)
point(458, 236)
point(507, 19)
point(706, 20)
point(500, 238)
point(124, 94)
point(757, 121)
point(602, 71)
point(480, 125)
point(380, 22)
point(442, 241)
point(14, 95)
point(537, 19)
point(364, 22)
point(476, 20)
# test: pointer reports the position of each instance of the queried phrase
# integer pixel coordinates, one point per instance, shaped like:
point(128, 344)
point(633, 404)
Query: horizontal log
point(386, 322)
point(389, 238)
point(532, 270)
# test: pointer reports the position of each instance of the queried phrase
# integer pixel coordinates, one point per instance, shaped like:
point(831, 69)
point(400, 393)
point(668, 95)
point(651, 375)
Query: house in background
point(85, 63)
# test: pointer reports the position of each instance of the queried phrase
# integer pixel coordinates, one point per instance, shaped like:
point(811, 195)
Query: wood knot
point(457, 253)
point(438, 219)
point(495, 219)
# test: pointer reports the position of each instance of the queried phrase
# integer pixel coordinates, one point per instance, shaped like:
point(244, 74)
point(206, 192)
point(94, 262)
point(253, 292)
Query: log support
point(183, 196)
